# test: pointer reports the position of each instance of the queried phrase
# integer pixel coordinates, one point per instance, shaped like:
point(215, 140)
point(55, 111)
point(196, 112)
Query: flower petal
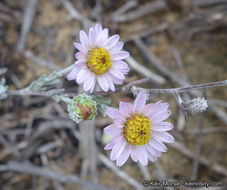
point(112, 130)
point(117, 150)
point(84, 39)
point(72, 75)
point(134, 152)
point(111, 41)
point(102, 37)
point(139, 102)
point(81, 76)
point(92, 37)
point(117, 138)
point(121, 66)
point(88, 83)
point(147, 110)
point(115, 79)
point(116, 73)
point(158, 145)
point(114, 113)
point(126, 109)
point(124, 156)
point(93, 86)
point(143, 155)
point(116, 48)
point(151, 157)
point(119, 122)
point(152, 150)
point(109, 146)
point(80, 56)
point(162, 136)
point(80, 48)
point(161, 126)
point(109, 81)
point(98, 28)
point(119, 55)
point(102, 83)
point(160, 116)
point(153, 108)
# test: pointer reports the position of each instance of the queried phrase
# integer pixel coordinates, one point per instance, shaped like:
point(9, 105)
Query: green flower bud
point(81, 107)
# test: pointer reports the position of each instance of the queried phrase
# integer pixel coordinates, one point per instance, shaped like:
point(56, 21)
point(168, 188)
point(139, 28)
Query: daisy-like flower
point(99, 59)
point(138, 131)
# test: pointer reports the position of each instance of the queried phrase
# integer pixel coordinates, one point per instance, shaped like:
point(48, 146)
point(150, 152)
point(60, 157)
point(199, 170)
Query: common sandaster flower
point(99, 59)
point(138, 131)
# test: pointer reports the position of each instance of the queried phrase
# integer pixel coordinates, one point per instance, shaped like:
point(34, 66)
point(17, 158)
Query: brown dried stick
point(146, 9)
point(27, 167)
point(109, 164)
point(158, 65)
point(28, 17)
point(203, 160)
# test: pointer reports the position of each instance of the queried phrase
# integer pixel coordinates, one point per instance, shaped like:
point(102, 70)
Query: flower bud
point(81, 107)
point(196, 105)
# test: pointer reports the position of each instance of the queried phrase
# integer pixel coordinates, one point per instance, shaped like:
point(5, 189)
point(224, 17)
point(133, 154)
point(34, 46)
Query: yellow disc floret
point(99, 60)
point(137, 130)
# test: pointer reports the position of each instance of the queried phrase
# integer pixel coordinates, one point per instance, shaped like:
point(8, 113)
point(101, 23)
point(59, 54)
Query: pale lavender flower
point(138, 131)
point(99, 59)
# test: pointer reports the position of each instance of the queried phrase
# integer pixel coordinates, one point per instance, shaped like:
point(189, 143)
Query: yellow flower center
point(99, 60)
point(137, 130)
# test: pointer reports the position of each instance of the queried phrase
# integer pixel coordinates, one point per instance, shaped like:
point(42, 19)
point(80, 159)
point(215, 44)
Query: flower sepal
point(82, 107)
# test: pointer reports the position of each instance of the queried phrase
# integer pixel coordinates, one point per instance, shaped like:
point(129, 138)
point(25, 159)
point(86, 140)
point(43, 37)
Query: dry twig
point(203, 160)
point(26, 167)
point(29, 13)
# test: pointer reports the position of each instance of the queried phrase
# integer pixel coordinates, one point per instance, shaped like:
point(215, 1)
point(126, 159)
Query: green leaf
point(102, 104)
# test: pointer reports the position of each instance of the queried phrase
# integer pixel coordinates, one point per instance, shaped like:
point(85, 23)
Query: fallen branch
point(29, 14)
point(131, 181)
point(26, 167)
point(203, 160)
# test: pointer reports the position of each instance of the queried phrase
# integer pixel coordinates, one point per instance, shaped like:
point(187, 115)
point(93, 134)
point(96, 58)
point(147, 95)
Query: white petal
point(152, 150)
point(119, 55)
point(124, 156)
point(117, 150)
point(80, 56)
point(126, 109)
point(151, 157)
point(112, 130)
point(143, 155)
point(114, 113)
point(116, 48)
point(81, 76)
point(101, 39)
point(160, 116)
point(116, 80)
point(72, 75)
point(139, 102)
point(98, 28)
point(102, 83)
point(109, 81)
point(92, 37)
point(84, 39)
point(89, 81)
point(162, 136)
point(80, 48)
point(109, 146)
point(116, 73)
point(158, 145)
point(134, 153)
point(161, 126)
point(111, 41)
